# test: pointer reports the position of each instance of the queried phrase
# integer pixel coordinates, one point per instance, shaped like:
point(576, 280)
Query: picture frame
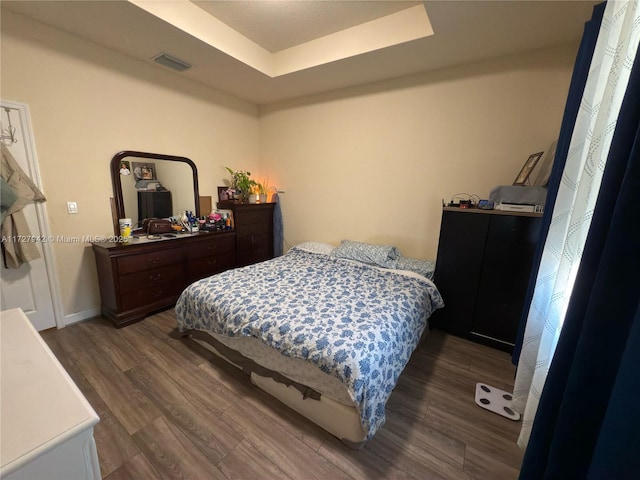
point(144, 170)
point(223, 195)
point(527, 168)
point(125, 167)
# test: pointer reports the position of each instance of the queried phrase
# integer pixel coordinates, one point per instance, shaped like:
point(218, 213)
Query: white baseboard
point(81, 316)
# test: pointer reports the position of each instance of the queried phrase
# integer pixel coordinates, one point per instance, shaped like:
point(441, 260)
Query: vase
point(253, 198)
point(262, 198)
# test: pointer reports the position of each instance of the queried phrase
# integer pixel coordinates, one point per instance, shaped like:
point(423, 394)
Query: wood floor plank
point(469, 432)
point(164, 321)
point(127, 403)
point(438, 444)
point(161, 332)
point(414, 458)
point(112, 344)
point(246, 462)
point(293, 457)
point(361, 464)
point(137, 468)
point(210, 433)
point(464, 406)
point(172, 454)
point(409, 398)
point(171, 359)
point(117, 446)
point(480, 465)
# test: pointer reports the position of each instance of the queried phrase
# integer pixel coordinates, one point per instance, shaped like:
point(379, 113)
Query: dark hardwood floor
point(169, 409)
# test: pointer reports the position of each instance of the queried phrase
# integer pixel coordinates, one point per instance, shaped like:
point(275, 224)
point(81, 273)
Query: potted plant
point(264, 189)
point(254, 196)
point(241, 182)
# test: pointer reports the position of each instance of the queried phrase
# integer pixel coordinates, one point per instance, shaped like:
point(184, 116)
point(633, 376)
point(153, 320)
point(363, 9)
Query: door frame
point(41, 210)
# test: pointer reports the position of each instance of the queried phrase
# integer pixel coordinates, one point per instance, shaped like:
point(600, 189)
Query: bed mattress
point(343, 328)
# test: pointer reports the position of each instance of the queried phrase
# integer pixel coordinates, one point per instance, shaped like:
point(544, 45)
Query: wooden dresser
point(254, 231)
point(482, 271)
point(142, 276)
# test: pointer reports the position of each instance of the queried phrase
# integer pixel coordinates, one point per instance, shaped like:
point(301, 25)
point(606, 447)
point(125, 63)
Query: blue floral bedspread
point(355, 322)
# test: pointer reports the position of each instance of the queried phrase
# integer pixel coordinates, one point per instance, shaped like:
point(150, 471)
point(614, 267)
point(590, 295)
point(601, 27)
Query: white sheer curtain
point(615, 50)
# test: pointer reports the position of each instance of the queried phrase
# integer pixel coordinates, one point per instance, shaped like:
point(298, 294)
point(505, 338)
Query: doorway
point(33, 287)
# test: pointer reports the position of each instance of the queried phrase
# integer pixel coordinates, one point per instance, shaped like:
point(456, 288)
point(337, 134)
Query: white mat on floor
point(495, 400)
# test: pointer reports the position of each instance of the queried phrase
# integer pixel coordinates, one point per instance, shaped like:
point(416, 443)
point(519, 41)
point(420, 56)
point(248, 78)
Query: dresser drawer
point(162, 294)
point(254, 228)
point(253, 217)
point(207, 266)
point(217, 246)
point(149, 278)
point(147, 261)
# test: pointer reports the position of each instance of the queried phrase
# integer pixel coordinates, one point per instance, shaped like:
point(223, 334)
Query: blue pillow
point(379, 255)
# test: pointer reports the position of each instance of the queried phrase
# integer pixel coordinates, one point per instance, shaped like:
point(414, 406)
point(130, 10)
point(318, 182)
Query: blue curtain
point(576, 89)
point(278, 232)
point(588, 421)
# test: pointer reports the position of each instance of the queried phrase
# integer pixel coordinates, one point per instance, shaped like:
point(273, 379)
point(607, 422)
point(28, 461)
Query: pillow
point(422, 267)
point(316, 247)
point(379, 255)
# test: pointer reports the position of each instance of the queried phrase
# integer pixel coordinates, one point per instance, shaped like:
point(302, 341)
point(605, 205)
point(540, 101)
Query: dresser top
point(491, 212)
point(162, 240)
point(41, 406)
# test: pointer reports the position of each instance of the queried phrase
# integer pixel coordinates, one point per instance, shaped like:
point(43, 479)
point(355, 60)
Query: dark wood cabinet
point(254, 231)
point(482, 271)
point(140, 277)
point(154, 205)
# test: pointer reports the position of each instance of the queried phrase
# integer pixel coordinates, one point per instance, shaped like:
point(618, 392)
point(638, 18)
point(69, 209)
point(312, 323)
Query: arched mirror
point(153, 185)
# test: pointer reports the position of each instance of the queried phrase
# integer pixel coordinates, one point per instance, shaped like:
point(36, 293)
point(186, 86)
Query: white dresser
point(46, 424)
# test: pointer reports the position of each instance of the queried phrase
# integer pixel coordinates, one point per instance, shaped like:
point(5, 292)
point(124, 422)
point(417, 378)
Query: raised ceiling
point(268, 51)
point(277, 25)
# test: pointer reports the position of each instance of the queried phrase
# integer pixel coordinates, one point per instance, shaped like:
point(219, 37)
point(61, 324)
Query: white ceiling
point(270, 50)
point(276, 25)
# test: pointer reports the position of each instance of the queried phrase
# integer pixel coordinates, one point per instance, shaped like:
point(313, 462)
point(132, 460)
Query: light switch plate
point(72, 207)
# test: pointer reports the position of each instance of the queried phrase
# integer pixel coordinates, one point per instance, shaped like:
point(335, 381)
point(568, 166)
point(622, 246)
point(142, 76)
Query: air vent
point(172, 62)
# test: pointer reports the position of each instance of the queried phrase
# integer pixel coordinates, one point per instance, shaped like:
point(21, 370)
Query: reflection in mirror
point(151, 185)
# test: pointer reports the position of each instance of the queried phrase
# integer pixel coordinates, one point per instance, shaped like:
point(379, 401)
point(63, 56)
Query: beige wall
point(87, 103)
point(373, 163)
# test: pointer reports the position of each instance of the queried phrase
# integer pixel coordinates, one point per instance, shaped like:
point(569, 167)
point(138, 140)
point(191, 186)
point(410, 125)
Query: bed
point(325, 330)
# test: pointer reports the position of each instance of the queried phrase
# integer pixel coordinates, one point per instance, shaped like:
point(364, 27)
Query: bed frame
point(340, 420)
point(336, 418)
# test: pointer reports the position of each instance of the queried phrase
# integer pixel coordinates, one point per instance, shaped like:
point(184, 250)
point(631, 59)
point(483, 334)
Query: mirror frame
point(117, 186)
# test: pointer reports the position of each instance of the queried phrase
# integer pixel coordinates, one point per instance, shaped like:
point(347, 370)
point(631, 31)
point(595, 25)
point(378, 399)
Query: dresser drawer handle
point(158, 293)
point(154, 260)
point(212, 262)
point(155, 276)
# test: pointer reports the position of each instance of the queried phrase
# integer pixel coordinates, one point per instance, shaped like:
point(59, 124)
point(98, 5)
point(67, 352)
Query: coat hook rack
point(10, 132)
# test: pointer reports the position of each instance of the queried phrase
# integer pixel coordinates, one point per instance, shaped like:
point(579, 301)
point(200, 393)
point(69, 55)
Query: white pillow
point(316, 247)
